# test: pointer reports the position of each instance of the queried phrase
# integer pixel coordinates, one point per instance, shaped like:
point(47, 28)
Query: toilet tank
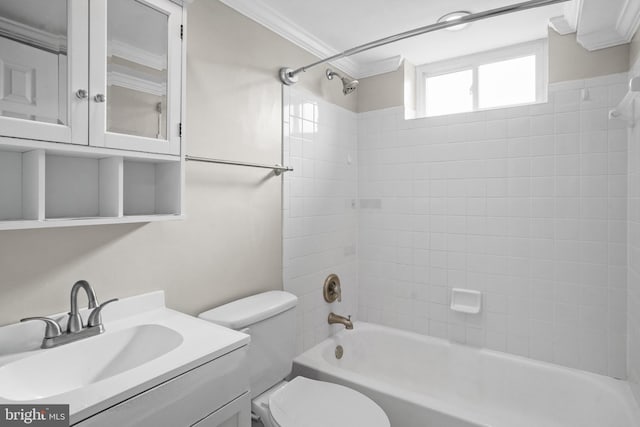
point(270, 319)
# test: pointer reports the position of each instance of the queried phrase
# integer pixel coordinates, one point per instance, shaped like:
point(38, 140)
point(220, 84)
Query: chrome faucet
point(336, 318)
point(74, 323)
point(54, 336)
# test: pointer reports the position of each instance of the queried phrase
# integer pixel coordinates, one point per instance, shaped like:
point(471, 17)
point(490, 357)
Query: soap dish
point(466, 300)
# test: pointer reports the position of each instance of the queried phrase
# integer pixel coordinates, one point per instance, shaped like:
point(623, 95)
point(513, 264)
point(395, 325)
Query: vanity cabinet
point(215, 394)
point(91, 96)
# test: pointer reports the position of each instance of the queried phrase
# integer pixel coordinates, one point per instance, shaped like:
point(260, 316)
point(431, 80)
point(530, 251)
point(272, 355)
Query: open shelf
point(80, 187)
point(151, 188)
point(42, 188)
point(20, 190)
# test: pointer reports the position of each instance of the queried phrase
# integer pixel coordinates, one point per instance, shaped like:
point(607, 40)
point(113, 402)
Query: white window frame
point(539, 48)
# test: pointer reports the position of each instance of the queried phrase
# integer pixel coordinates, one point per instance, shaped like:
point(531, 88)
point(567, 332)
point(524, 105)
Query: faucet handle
point(95, 319)
point(53, 327)
point(332, 290)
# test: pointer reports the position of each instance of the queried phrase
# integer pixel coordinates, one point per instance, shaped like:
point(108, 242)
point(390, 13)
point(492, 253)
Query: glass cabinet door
point(136, 72)
point(43, 69)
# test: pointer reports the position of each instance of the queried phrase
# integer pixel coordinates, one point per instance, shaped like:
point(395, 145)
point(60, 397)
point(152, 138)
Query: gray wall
point(570, 61)
point(381, 91)
point(230, 244)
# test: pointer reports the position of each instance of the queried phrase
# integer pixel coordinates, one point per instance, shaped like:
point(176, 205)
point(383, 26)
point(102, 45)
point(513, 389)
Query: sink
point(145, 344)
point(82, 363)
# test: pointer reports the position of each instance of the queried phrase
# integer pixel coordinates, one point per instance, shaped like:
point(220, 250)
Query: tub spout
point(336, 318)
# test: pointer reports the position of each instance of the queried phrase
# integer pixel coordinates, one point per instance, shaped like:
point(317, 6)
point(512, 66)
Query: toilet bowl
point(302, 402)
point(269, 318)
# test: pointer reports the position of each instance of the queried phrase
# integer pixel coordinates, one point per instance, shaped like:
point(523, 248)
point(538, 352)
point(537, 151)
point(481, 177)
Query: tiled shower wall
point(633, 275)
point(320, 216)
point(526, 204)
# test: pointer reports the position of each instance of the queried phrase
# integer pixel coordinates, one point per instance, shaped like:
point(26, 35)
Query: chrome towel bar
point(277, 169)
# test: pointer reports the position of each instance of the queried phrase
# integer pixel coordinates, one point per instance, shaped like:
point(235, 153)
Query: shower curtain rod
point(289, 76)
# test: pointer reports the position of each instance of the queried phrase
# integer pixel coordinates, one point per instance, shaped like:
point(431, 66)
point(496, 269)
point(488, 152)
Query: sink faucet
point(335, 318)
point(74, 324)
point(54, 336)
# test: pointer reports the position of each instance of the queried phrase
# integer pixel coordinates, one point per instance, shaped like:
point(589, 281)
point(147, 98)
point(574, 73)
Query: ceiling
point(338, 25)
point(344, 24)
point(331, 26)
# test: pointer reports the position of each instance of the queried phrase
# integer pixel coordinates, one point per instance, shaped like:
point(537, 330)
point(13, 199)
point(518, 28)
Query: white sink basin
point(79, 364)
point(144, 345)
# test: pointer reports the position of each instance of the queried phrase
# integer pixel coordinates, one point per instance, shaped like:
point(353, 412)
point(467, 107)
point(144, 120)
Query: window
point(516, 75)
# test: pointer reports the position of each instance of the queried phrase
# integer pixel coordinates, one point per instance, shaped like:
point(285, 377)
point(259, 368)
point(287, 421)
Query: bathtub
point(422, 381)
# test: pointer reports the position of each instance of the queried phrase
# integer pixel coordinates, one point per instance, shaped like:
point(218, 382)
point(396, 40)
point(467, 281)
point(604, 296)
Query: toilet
point(270, 319)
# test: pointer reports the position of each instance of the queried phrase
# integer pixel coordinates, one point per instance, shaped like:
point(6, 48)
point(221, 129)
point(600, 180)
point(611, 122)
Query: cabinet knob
point(82, 94)
point(100, 98)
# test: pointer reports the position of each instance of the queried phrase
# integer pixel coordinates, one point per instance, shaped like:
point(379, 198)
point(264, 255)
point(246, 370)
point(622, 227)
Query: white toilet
point(270, 319)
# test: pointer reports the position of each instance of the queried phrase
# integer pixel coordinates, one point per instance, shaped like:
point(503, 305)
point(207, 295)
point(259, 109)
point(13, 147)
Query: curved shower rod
point(290, 76)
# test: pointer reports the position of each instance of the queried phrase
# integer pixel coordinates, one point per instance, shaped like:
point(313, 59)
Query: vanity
point(152, 366)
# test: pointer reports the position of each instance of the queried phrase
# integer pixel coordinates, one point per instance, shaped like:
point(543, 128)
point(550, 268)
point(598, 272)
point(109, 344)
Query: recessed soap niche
point(39, 188)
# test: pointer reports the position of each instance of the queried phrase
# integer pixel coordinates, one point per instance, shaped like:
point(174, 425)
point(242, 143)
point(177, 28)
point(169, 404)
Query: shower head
point(348, 85)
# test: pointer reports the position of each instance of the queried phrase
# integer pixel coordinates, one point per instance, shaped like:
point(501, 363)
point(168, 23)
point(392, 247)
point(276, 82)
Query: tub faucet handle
point(332, 290)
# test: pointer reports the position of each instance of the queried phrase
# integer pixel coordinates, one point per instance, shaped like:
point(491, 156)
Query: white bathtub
point(427, 382)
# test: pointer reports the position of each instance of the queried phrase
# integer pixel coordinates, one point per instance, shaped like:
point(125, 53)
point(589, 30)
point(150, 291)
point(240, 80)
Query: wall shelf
point(74, 222)
point(64, 186)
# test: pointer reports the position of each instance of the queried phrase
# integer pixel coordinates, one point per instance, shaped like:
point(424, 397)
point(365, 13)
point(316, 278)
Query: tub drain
point(339, 352)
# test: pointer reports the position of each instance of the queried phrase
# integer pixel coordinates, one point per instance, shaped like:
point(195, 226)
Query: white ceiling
point(336, 25)
point(344, 24)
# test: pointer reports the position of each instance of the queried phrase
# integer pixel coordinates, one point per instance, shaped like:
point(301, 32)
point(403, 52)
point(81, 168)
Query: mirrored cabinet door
point(136, 75)
point(43, 65)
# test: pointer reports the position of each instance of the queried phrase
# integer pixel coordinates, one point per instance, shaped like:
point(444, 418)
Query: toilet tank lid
point(247, 311)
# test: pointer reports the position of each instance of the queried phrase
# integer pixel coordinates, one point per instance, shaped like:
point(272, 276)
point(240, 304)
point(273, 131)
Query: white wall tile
point(525, 204)
point(319, 222)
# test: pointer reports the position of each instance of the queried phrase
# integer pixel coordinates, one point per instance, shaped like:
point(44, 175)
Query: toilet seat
point(309, 403)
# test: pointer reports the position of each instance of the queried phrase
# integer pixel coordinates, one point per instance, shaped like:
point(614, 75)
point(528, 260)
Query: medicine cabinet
point(91, 101)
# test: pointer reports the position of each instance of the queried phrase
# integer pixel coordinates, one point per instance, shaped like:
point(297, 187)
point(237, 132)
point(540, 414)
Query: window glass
point(507, 82)
point(449, 93)
point(505, 77)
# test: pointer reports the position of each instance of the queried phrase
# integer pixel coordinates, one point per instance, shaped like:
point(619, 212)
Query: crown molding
point(582, 16)
point(567, 23)
point(595, 32)
point(629, 20)
point(386, 65)
point(274, 21)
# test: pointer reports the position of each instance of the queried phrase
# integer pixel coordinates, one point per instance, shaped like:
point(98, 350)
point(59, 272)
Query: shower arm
point(289, 76)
